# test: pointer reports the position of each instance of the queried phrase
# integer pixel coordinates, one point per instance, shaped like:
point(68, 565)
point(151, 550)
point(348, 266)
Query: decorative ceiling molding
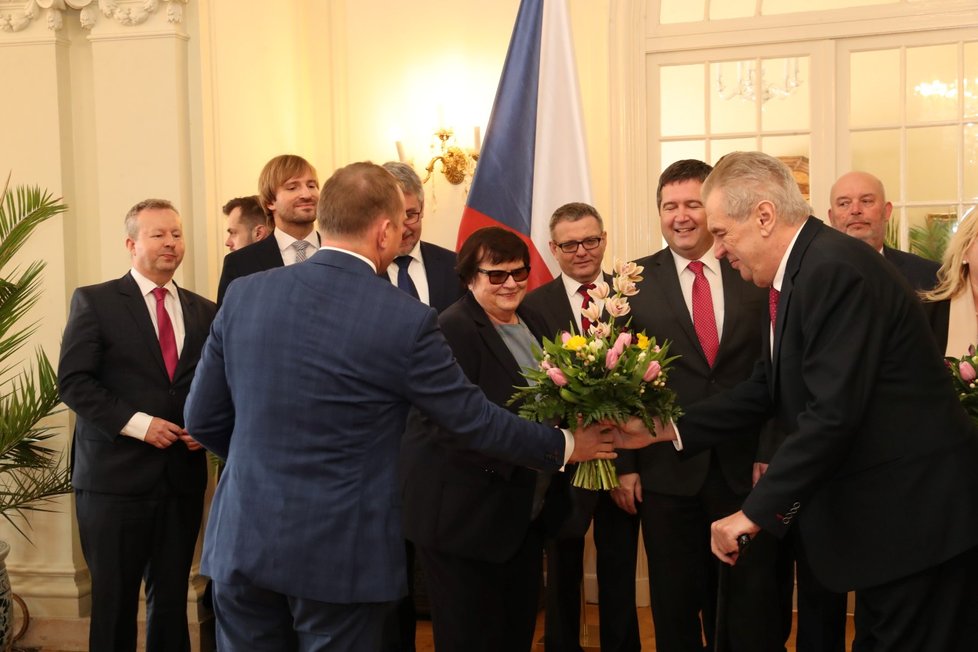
point(124, 12)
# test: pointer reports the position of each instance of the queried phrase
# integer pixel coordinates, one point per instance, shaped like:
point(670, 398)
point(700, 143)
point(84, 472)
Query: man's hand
point(629, 492)
point(162, 433)
point(634, 434)
point(760, 468)
point(724, 533)
point(191, 443)
point(595, 441)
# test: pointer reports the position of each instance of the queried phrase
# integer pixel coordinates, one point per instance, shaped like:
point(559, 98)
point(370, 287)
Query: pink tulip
point(624, 339)
point(611, 358)
point(967, 371)
point(546, 366)
point(652, 372)
point(557, 376)
point(564, 336)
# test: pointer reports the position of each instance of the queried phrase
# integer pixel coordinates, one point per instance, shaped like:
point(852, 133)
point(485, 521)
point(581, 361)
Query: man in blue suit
point(304, 544)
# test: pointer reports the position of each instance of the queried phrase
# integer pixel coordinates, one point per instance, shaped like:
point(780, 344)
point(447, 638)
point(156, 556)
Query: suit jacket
point(463, 502)
point(110, 368)
point(878, 467)
point(920, 273)
point(444, 287)
point(309, 504)
point(256, 257)
point(939, 316)
point(660, 310)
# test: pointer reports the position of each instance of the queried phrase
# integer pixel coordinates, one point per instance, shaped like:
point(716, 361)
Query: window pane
point(932, 156)
point(724, 146)
point(971, 80)
point(720, 9)
point(681, 11)
point(770, 7)
point(788, 89)
point(932, 83)
point(678, 150)
point(681, 102)
point(733, 103)
point(874, 88)
point(878, 152)
point(970, 161)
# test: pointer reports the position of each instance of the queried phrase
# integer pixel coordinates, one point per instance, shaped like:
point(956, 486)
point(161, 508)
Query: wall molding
point(18, 16)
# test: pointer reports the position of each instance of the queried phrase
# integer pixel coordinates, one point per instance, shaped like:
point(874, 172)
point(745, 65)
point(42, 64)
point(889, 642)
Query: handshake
point(598, 441)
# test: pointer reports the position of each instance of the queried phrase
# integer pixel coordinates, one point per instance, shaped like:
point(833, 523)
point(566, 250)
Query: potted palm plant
point(31, 473)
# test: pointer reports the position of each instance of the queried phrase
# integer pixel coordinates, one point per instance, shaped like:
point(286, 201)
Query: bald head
point(858, 207)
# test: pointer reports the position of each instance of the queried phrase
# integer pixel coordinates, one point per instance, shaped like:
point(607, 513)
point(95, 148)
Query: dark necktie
point(168, 341)
point(403, 278)
point(704, 319)
point(585, 322)
point(772, 304)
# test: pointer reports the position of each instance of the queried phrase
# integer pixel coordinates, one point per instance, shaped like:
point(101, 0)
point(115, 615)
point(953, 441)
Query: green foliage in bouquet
point(608, 374)
point(964, 370)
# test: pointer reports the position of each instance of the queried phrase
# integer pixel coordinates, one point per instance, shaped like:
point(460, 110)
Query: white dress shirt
point(416, 271)
point(711, 270)
point(285, 242)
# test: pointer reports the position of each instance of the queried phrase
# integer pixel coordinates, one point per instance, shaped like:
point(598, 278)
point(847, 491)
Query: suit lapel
point(805, 237)
point(135, 304)
point(192, 335)
point(667, 281)
point(492, 340)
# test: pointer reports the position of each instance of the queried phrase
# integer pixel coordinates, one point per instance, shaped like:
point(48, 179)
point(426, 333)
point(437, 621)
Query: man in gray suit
point(304, 545)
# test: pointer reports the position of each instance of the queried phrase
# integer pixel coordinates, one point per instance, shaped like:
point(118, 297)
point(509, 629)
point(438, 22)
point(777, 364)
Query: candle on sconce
point(400, 152)
point(477, 138)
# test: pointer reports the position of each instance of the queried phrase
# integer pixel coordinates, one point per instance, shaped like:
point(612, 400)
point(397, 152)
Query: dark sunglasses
point(499, 276)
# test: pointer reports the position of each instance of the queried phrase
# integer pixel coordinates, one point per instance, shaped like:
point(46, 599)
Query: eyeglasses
point(570, 247)
point(412, 217)
point(499, 276)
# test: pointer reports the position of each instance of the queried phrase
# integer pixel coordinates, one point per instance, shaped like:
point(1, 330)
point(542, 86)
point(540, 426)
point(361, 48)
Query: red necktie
point(168, 341)
point(704, 319)
point(585, 322)
point(772, 304)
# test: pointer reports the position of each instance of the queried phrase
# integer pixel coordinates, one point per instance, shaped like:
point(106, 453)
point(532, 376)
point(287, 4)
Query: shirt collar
point(571, 286)
point(709, 261)
point(779, 276)
point(285, 240)
point(146, 286)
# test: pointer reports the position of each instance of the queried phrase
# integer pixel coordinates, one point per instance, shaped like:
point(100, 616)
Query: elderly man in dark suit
point(578, 241)
point(288, 189)
point(858, 207)
point(712, 318)
point(877, 469)
point(304, 545)
point(128, 355)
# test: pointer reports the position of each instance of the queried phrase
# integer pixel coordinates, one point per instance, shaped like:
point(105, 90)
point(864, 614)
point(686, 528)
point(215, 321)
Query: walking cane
point(720, 628)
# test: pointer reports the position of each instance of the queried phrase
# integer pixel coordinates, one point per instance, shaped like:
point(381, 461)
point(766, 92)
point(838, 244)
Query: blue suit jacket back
point(304, 386)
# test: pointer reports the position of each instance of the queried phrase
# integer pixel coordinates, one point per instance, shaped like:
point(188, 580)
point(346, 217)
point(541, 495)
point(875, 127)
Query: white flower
point(625, 286)
point(617, 306)
point(600, 291)
point(600, 330)
point(592, 312)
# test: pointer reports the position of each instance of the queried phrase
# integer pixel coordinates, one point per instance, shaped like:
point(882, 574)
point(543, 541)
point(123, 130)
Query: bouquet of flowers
point(964, 370)
point(606, 374)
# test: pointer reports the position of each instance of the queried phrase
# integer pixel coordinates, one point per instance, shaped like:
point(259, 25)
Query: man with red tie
point(714, 321)
point(128, 356)
point(578, 241)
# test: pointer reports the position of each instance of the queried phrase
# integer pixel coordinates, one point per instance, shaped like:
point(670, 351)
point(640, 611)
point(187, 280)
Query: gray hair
point(407, 177)
point(747, 178)
point(132, 226)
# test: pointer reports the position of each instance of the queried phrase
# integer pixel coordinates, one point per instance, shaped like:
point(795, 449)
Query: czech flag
point(533, 158)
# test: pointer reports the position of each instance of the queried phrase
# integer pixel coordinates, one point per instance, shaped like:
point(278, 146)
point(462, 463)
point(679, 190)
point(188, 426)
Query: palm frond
point(930, 240)
point(31, 473)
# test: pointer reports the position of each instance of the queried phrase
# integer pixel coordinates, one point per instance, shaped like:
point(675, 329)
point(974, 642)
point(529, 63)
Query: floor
point(424, 643)
point(646, 631)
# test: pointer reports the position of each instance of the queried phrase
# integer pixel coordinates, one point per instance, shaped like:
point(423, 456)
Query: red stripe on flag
point(473, 220)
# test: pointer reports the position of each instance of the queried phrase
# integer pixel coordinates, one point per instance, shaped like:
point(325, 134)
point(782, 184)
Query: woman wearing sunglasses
point(478, 523)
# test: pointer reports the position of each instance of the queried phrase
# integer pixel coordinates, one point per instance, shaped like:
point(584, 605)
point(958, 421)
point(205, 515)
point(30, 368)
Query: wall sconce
point(456, 164)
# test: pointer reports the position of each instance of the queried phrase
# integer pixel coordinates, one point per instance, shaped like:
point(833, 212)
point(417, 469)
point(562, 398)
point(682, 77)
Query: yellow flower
point(643, 341)
point(575, 343)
